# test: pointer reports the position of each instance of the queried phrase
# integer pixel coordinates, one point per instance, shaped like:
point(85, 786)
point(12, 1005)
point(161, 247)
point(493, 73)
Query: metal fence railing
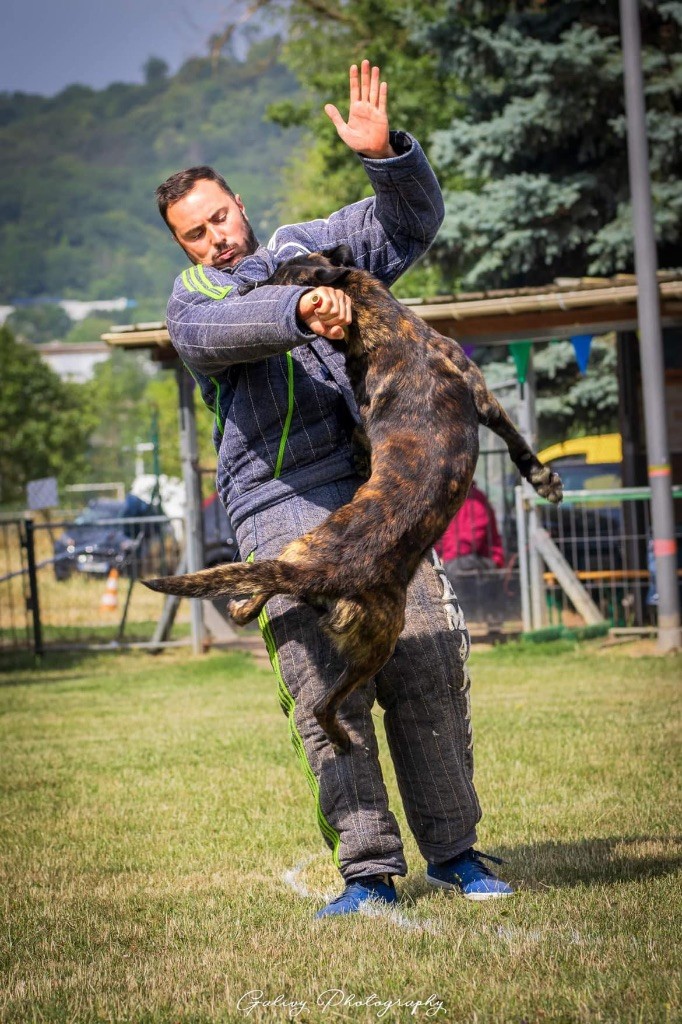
point(75, 583)
point(605, 538)
point(16, 620)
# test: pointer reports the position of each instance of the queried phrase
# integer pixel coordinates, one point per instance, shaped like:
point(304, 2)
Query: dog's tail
point(242, 579)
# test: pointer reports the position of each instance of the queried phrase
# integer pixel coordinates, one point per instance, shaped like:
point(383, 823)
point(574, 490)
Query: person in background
point(472, 538)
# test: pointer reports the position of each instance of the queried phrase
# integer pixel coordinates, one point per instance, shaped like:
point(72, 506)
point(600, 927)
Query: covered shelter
point(567, 308)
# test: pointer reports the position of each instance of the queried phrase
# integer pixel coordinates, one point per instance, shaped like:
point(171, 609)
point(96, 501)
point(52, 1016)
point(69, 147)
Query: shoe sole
point(475, 897)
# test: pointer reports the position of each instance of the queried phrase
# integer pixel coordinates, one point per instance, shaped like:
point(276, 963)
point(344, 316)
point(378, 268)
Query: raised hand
point(366, 130)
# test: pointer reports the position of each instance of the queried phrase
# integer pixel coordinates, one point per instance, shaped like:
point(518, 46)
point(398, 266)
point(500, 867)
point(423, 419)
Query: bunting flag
point(521, 351)
point(582, 343)
point(468, 350)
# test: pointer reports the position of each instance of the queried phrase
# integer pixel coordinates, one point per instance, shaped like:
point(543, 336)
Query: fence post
point(194, 540)
point(33, 604)
point(537, 582)
point(522, 548)
point(650, 338)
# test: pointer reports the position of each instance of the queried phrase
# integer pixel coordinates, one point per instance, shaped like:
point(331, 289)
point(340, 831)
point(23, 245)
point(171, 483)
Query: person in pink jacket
point(473, 534)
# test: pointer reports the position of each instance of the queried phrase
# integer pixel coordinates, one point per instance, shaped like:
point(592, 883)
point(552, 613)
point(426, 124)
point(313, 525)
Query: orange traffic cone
point(110, 595)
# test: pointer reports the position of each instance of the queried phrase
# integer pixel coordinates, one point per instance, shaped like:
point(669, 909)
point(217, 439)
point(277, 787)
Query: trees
point(322, 40)
point(35, 324)
point(77, 211)
point(540, 145)
point(44, 422)
point(161, 394)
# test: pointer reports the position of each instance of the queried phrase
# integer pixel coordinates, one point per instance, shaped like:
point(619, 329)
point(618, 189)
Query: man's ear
point(340, 255)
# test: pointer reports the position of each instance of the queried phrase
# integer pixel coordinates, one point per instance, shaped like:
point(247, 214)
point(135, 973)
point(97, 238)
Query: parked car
point(93, 546)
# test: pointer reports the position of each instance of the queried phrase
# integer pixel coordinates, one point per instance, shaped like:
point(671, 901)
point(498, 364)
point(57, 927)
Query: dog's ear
point(340, 255)
point(331, 275)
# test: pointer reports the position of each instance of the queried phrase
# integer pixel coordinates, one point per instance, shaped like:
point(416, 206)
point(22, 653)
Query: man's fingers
point(383, 97)
point(364, 80)
point(354, 83)
point(324, 310)
point(334, 116)
point(374, 87)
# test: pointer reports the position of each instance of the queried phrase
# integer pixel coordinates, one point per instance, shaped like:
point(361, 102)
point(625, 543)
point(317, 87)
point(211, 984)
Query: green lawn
point(160, 858)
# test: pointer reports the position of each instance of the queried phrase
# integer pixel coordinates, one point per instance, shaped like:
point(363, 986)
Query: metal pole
point(33, 600)
point(528, 425)
point(194, 545)
point(650, 341)
point(522, 547)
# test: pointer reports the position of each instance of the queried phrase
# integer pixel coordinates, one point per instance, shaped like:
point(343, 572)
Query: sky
point(46, 45)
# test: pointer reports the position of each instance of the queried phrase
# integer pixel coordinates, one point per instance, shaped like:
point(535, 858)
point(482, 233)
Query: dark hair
point(182, 182)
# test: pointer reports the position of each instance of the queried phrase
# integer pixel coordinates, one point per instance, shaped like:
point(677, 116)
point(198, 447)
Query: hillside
point(77, 210)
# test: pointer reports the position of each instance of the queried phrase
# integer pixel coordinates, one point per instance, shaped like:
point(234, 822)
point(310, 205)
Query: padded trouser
point(424, 690)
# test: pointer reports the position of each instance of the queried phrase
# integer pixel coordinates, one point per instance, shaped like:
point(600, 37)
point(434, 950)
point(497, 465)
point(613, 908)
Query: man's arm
point(213, 331)
point(388, 232)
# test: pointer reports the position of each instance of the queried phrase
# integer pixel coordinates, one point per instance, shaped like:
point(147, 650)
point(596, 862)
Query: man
point(284, 415)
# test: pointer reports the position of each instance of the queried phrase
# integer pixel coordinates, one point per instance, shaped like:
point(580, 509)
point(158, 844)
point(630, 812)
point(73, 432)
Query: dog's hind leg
point(325, 711)
point(365, 631)
point(247, 609)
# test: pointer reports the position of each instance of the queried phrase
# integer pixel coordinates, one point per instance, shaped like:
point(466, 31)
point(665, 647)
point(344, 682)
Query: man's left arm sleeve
point(408, 205)
point(386, 232)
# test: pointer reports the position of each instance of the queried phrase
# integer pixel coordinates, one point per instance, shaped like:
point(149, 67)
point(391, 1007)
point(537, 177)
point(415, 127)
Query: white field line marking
point(390, 913)
point(291, 877)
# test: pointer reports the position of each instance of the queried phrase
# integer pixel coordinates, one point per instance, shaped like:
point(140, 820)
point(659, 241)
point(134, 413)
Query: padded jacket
point(284, 409)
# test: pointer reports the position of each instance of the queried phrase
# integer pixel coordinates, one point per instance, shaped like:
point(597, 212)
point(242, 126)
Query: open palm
point(366, 130)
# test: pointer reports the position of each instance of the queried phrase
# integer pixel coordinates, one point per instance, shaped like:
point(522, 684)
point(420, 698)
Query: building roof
point(570, 306)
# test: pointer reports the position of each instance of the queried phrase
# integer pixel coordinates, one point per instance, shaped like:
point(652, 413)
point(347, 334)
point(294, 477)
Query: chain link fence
point(605, 538)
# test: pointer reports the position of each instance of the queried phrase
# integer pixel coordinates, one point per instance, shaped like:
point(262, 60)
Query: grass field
point(160, 859)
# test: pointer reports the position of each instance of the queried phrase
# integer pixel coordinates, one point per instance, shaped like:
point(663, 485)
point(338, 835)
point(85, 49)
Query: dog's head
point(330, 267)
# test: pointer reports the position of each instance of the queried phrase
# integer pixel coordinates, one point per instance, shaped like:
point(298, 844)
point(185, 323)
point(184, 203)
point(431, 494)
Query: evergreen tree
point(541, 146)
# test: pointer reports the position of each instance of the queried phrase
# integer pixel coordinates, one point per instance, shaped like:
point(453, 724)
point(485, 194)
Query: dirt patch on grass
point(635, 647)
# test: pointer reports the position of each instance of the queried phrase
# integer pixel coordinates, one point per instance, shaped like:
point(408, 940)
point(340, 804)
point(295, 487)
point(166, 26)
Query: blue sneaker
point(378, 888)
point(467, 874)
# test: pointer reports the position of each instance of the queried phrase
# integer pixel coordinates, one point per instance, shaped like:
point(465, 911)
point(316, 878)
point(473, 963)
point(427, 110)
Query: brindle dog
point(421, 401)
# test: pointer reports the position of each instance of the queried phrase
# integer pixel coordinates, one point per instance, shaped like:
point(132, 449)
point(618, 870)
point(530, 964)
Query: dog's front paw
point(547, 483)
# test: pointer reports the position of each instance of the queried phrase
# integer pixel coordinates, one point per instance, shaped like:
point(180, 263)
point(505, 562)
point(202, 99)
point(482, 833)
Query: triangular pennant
point(582, 343)
point(520, 351)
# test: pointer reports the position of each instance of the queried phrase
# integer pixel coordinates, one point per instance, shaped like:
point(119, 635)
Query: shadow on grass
point(15, 666)
point(25, 667)
point(555, 865)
